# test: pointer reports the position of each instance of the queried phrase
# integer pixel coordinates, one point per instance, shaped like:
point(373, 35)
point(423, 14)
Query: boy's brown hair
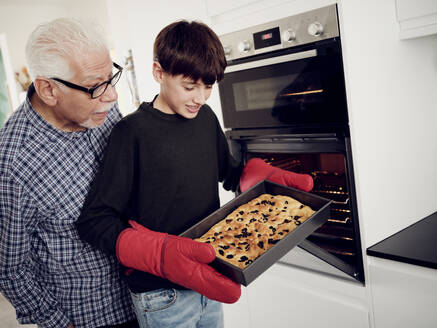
point(191, 49)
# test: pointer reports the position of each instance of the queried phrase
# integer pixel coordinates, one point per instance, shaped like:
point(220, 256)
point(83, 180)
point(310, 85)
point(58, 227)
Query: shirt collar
point(42, 125)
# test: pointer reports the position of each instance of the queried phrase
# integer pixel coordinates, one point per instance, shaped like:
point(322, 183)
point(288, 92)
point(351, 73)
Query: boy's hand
point(257, 170)
point(178, 259)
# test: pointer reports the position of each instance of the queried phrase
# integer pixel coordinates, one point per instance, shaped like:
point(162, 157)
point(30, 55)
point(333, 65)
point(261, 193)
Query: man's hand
point(178, 259)
point(257, 170)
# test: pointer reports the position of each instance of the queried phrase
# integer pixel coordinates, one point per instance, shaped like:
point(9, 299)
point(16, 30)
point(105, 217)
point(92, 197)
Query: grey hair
point(52, 46)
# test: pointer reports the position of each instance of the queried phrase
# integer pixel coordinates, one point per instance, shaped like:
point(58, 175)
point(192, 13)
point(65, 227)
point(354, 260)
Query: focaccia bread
point(254, 227)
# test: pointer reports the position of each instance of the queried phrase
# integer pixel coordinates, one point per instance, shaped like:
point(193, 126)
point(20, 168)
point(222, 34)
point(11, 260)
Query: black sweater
point(162, 171)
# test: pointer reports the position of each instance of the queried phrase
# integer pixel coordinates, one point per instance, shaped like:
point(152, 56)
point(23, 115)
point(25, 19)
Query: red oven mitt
point(178, 259)
point(257, 170)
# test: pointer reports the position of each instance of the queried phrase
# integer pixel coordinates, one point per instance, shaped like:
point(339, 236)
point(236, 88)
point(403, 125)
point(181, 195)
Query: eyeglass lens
point(102, 88)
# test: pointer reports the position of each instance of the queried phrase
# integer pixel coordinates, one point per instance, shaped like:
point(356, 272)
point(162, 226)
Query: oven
point(283, 100)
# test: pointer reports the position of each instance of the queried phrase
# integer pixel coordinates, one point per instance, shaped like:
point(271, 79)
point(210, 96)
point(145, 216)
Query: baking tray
point(252, 271)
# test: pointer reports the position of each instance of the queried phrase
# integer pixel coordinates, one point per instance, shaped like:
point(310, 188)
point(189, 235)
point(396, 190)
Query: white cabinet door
point(238, 314)
point(404, 295)
point(285, 296)
point(416, 18)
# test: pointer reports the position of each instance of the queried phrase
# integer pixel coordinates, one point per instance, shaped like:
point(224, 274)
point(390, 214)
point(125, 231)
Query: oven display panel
point(267, 38)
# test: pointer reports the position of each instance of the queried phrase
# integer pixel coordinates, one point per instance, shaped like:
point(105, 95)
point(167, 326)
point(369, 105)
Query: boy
point(161, 171)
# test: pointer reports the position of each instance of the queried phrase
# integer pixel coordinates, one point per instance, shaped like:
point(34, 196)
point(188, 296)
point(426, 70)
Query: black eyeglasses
point(98, 90)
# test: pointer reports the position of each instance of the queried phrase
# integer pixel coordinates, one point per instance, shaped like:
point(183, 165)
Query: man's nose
point(110, 94)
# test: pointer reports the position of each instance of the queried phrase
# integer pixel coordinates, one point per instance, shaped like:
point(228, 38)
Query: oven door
point(288, 89)
point(328, 159)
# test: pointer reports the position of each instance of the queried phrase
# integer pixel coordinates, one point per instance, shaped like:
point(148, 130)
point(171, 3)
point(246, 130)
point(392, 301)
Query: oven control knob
point(315, 29)
point(244, 46)
point(288, 35)
point(227, 50)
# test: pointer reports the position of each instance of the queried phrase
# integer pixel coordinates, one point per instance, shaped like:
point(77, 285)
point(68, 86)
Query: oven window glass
point(308, 90)
point(276, 93)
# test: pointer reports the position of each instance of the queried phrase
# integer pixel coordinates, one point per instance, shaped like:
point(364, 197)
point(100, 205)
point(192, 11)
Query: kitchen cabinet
point(288, 296)
point(403, 277)
point(404, 295)
point(416, 18)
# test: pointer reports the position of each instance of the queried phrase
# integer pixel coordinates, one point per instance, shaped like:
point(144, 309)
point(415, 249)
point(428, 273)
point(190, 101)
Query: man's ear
point(46, 91)
point(157, 72)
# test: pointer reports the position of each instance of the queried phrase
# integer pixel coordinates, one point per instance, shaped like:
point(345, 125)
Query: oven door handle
point(272, 61)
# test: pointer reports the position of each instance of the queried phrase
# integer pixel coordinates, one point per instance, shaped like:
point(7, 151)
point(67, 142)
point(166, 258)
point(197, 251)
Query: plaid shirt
point(50, 276)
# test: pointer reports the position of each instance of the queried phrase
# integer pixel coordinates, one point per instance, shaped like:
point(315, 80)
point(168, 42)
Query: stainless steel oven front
point(285, 73)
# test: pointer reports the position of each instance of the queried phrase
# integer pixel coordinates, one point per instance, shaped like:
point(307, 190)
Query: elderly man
point(50, 150)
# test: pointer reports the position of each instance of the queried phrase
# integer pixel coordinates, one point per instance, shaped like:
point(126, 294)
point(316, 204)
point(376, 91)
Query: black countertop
point(416, 244)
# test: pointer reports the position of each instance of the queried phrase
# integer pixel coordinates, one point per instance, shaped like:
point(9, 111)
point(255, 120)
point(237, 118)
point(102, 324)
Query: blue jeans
point(176, 309)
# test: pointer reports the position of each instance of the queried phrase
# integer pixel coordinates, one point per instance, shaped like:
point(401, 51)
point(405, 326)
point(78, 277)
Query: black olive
point(243, 258)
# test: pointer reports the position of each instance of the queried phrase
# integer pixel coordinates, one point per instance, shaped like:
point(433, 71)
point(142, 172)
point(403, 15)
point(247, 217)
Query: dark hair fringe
point(191, 49)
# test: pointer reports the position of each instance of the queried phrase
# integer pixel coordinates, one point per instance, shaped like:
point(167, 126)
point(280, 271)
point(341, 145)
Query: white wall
point(19, 17)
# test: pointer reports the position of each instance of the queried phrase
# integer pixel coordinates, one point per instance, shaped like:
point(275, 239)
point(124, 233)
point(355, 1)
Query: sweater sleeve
point(102, 218)
point(229, 168)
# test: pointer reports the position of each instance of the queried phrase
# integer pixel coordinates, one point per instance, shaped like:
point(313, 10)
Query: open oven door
point(327, 157)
